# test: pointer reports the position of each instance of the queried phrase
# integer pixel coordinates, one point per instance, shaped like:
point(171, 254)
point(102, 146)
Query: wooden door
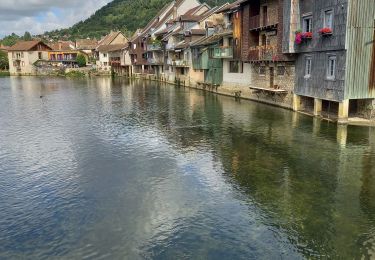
point(265, 15)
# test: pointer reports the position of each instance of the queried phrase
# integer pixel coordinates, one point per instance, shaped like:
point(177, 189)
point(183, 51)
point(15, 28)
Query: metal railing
point(154, 47)
point(223, 52)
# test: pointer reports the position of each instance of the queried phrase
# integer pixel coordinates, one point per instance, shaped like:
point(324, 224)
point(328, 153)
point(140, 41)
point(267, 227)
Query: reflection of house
point(23, 56)
point(109, 49)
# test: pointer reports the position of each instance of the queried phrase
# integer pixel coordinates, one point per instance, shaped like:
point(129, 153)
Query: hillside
point(124, 15)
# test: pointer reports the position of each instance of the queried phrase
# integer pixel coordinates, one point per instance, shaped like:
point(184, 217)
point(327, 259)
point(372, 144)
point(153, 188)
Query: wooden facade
point(318, 50)
point(359, 81)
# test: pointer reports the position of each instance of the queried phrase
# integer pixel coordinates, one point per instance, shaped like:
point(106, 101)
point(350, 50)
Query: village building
point(87, 46)
point(152, 62)
point(64, 54)
point(24, 55)
point(335, 67)
point(109, 51)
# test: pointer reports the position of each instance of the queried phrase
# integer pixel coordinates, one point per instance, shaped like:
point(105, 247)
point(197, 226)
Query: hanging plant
point(302, 36)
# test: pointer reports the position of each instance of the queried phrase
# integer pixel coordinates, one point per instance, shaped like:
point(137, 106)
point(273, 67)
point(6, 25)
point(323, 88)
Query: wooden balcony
point(254, 22)
point(263, 53)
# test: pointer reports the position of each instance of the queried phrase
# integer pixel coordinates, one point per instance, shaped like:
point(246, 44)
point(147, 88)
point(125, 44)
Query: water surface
point(112, 169)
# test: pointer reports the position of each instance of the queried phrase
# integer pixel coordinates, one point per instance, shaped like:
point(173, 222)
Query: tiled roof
point(108, 39)
point(231, 6)
point(111, 47)
point(61, 46)
point(86, 44)
point(209, 40)
point(25, 45)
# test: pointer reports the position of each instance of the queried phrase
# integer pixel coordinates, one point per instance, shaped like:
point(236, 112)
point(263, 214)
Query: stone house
point(109, 51)
point(24, 55)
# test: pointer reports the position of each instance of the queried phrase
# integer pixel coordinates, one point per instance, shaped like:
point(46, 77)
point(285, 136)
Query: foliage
point(81, 60)
point(27, 36)
point(75, 74)
point(3, 60)
point(4, 74)
point(10, 39)
point(124, 15)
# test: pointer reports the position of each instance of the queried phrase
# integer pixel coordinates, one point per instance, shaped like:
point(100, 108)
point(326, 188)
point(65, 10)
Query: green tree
point(27, 36)
point(4, 63)
point(10, 40)
point(81, 60)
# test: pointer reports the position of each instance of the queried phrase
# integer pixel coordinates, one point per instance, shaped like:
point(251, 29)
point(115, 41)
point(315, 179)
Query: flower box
point(303, 36)
point(325, 31)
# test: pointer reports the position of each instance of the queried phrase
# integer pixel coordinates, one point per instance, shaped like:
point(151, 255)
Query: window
point(105, 63)
point(40, 55)
point(105, 55)
point(134, 46)
point(331, 68)
point(262, 70)
point(308, 62)
point(235, 67)
point(328, 19)
point(307, 24)
point(280, 70)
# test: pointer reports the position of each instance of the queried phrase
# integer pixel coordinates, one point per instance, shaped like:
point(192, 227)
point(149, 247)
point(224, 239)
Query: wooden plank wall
point(360, 36)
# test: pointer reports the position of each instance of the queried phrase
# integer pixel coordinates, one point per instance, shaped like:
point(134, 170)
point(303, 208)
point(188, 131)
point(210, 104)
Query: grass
point(75, 74)
point(4, 74)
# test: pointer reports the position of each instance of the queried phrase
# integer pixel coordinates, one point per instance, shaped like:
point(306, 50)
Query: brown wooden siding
point(237, 34)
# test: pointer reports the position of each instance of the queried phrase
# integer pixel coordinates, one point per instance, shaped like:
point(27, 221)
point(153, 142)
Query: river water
point(112, 169)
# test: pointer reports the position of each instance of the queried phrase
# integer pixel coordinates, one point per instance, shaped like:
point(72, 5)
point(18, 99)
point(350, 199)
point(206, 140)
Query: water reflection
point(146, 170)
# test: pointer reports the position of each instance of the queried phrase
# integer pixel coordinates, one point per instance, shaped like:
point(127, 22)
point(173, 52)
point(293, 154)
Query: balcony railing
point(223, 52)
point(155, 61)
point(256, 22)
point(170, 46)
point(154, 47)
point(263, 53)
point(178, 63)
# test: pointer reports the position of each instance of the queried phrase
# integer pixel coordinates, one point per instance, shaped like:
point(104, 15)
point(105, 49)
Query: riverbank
point(282, 99)
point(4, 74)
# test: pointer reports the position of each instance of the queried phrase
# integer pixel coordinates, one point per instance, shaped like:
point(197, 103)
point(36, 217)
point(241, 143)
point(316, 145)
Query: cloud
point(38, 16)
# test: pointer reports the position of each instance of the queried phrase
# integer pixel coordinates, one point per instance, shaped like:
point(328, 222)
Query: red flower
point(325, 30)
point(307, 35)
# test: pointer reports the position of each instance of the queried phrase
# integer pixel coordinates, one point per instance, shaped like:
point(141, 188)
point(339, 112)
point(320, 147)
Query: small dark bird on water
point(41, 96)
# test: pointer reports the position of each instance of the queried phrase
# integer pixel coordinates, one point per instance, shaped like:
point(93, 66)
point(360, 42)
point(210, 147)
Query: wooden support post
point(317, 107)
point(296, 102)
point(343, 111)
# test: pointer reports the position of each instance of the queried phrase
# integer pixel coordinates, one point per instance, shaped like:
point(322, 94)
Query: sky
point(38, 16)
